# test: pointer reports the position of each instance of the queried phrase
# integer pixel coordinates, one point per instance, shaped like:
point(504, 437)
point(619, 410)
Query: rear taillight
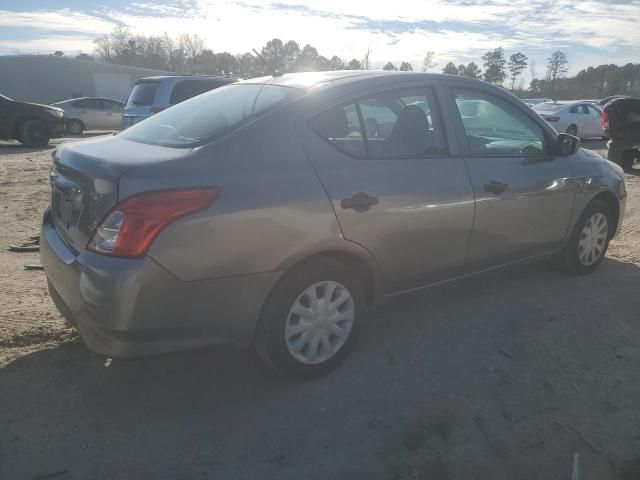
point(551, 118)
point(156, 110)
point(129, 229)
point(604, 120)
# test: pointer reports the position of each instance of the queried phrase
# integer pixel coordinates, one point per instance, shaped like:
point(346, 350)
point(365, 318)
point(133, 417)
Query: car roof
point(181, 77)
point(309, 80)
point(88, 98)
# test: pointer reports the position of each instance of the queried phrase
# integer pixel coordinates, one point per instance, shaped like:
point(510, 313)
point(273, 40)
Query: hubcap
point(319, 322)
point(593, 239)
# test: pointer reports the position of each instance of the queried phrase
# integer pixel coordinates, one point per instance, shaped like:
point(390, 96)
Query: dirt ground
point(506, 375)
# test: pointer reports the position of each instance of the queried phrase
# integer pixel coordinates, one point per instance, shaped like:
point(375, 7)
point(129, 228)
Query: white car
point(535, 101)
point(91, 113)
point(581, 119)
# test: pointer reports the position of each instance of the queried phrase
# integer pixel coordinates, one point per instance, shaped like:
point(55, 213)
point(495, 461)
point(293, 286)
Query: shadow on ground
point(505, 375)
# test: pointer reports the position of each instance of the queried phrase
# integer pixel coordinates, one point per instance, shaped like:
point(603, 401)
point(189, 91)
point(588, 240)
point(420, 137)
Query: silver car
point(265, 213)
point(91, 113)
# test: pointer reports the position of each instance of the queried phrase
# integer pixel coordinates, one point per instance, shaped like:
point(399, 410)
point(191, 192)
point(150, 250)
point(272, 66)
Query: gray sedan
point(276, 211)
point(91, 113)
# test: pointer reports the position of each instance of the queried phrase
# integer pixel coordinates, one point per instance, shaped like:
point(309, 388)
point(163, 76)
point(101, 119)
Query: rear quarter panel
point(271, 211)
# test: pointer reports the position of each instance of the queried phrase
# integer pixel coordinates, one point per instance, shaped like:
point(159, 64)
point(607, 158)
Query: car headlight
point(57, 113)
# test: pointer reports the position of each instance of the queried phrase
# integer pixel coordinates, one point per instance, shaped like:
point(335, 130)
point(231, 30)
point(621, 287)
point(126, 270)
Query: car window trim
point(367, 157)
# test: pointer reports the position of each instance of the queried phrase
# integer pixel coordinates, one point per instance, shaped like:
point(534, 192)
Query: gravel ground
point(503, 376)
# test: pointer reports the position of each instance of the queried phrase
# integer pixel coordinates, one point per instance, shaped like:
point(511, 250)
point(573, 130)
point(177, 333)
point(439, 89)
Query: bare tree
point(428, 61)
point(517, 63)
point(557, 67)
point(365, 65)
point(532, 69)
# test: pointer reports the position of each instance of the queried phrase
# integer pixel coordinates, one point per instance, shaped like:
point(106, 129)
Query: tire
point(572, 130)
point(75, 127)
point(307, 347)
point(627, 158)
point(34, 133)
point(572, 258)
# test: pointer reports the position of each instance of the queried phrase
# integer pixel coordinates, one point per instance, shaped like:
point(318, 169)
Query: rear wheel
point(310, 321)
point(75, 126)
point(589, 240)
point(572, 130)
point(34, 133)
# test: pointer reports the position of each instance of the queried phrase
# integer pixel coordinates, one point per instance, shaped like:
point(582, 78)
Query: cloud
point(402, 30)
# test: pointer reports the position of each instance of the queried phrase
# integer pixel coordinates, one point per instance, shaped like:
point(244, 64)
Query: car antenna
point(274, 72)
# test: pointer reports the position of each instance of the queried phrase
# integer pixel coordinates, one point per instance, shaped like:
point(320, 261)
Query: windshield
point(209, 116)
point(142, 94)
point(548, 107)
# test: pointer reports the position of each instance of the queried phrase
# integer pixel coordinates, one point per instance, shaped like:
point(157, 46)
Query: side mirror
point(567, 144)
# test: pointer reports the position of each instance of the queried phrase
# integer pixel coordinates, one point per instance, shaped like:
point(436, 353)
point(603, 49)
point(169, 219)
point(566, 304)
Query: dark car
point(30, 123)
point(621, 123)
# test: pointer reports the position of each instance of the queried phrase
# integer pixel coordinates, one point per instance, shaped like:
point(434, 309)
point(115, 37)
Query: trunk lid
point(84, 181)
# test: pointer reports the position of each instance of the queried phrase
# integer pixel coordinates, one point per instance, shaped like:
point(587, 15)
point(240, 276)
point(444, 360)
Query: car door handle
point(496, 187)
point(360, 202)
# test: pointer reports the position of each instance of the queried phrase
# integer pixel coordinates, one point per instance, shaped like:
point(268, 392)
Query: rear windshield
point(142, 94)
point(202, 119)
point(548, 107)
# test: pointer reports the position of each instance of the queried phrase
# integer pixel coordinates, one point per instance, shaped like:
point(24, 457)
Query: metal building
point(48, 78)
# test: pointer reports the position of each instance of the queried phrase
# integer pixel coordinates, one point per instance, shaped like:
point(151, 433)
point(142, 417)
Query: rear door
point(397, 183)
point(595, 121)
point(524, 196)
point(113, 113)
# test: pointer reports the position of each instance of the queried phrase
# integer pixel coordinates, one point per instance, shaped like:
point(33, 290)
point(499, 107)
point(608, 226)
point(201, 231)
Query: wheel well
point(351, 260)
point(76, 120)
point(611, 200)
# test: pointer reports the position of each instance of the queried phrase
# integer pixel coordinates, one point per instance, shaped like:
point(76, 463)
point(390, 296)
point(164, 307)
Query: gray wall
point(48, 79)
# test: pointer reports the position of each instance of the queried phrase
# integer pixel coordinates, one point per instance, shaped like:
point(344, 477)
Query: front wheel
point(589, 240)
point(34, 133)
point(310, 321)
point(75, 127)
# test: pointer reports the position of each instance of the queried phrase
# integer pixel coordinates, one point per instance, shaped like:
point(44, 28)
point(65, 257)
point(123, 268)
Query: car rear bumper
point(134, 307)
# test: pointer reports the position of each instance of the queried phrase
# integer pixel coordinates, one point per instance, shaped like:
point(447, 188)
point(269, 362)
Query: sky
point(591, 33)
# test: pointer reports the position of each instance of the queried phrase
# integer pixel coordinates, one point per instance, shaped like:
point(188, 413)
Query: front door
point(397, 186)
point(524, 196)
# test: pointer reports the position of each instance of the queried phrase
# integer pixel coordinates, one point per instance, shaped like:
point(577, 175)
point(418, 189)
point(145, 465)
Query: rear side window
point(187, 89)
point(397, 124)
point(92, 103)
point(142, 94)
point(201, 120)
point(341, 127)
point(494, 126)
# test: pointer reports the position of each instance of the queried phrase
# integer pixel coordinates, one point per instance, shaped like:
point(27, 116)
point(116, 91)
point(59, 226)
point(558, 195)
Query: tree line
point(188, 54)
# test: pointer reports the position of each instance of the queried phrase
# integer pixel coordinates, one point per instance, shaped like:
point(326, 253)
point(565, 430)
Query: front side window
point(397, 124)
point(112, 105)
point(209, 116)
point(495, 127)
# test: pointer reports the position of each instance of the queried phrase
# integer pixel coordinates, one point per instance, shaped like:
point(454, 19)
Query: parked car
point(262, 212)
point(621, 121)
point(535, 101)
point(29, 123)
point(580, 119)
point(154, 94)
point(91, 113)
point(602, 103)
